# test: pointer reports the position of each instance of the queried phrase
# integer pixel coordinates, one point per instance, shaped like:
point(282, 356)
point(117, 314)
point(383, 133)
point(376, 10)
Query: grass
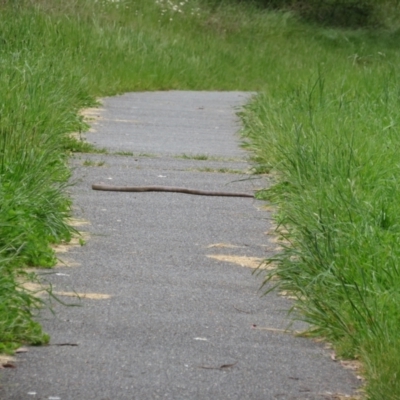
point(206, 157)
point(18, 308)
point(332, 141)
point(74, 145)
point(124, 153)
point(91, 163)
point(200, 157)
point(146, 155)
point(325, 122)
point(220, 170)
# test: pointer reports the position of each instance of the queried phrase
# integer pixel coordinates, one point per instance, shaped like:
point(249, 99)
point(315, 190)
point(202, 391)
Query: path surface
point(179, 324)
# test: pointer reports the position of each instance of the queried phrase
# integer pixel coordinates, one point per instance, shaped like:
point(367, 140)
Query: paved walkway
point(172, 309)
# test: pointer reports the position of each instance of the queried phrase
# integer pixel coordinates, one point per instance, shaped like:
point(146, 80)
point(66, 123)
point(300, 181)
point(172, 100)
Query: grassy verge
point(18, 308)
point(333, 142)
point(325, 122)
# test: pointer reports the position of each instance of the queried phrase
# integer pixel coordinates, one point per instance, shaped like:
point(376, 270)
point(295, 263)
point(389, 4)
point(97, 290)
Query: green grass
point(91, 163)
point(74, 145)
point(199, 157)
point(326, 123)
point(124, 153)
point(206, 157)
point(18, 307)
point(220, 170)
point(333, 141)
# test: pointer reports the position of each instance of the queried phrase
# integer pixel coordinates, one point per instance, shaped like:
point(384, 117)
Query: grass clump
point(124, 153)
point(220, 170)
point(333, 144)
point(17, 309)
point(74, 145)
point(91, 163)
point(199, 157)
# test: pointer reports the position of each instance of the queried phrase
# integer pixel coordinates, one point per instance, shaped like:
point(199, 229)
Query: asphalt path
point(172, 307)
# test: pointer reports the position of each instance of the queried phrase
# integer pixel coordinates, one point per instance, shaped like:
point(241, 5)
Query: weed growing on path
point(124, 153)
point(91, 163)
point(200, 157)
point(220, 170)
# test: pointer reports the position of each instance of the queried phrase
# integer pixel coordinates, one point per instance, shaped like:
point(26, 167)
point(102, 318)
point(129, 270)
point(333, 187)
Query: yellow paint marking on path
point(90, 114)
point(62, 248)
point(39, 290)
point(74, 242)
point(91, 296)
point(35, 289)
point(224, 245)
point(288, 295)
point(243, 261)
point(268, 207)
point(62, 262)
point(77, 222)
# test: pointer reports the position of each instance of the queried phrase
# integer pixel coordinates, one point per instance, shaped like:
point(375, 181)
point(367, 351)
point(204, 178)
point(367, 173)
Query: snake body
point(167, 189)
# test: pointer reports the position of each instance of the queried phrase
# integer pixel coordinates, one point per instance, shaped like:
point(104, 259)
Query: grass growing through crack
point(199, 157)
point(326, 123)
point(124, 153)
point(206, 157)
point(220, 170)
point(91, 163)
point(75, 145)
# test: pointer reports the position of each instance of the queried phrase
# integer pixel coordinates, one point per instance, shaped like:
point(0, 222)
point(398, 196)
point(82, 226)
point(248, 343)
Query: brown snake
point(167, 189)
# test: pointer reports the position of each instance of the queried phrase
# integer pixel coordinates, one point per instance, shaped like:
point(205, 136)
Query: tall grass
point(333, 143)
point(18, 308)
point(57, 57)
point(325, 123)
